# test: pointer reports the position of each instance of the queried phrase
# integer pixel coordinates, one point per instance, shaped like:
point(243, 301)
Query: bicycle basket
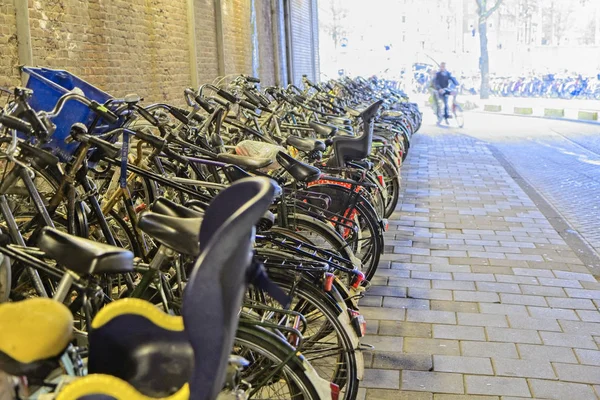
point(48, 86)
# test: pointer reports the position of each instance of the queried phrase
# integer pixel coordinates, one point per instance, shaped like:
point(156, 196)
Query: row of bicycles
point(553, 86)
point(549, 86)
point(215, 248)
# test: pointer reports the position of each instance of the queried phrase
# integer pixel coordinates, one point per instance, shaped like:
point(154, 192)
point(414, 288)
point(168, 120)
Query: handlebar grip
point(170, 153)
point(15, 123)
point(204, 104)
point(263, 101)
point(147, 116)
point(111, 150)
point(221, 101)
point(104, 112)
point(251, 98)
point(252, 79)
point(308, 81)
point(227, 96)
point(248, 105)
point(154, 141)
point(179, 115)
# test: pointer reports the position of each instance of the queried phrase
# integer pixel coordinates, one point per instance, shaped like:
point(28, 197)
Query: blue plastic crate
point(48, 86)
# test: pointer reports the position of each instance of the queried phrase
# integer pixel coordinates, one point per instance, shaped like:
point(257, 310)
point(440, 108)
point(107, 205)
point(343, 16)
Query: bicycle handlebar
point(18, 124)
point(92, 104)
point(251, 79)
point(191, 97)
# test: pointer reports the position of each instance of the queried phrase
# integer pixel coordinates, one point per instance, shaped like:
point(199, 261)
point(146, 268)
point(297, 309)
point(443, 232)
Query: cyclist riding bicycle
point(442, 84)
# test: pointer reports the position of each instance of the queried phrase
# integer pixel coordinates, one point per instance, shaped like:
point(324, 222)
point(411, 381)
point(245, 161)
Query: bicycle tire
point(378, 198)
point(324, 231)
point(272, 347)
point(308, 299)
point(392, 185)
point(367, 220)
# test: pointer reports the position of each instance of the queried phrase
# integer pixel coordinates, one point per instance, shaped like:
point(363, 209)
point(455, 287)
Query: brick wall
point(8, 44)
point(206, 40)
point(141, 46)
point(237, 36)
point(122, 46)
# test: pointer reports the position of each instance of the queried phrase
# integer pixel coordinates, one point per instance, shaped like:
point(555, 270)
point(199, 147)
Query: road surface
point(560, 159)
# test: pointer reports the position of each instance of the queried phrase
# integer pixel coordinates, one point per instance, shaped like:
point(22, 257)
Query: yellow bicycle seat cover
point(34, 329)
point(106, 385)
point(137, 307)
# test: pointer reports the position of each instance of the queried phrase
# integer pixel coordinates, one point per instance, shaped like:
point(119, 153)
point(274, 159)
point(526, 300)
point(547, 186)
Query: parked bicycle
point(214, 250)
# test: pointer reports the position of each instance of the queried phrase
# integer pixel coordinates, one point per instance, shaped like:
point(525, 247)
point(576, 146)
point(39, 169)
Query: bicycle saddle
point(39, 156)
point(392, 114)
point(366, 164)
point(107, 387)
point(167, 207)
point(366, 113)
point(149, 353)
point(179, 234)
point(197, 206)
point(298, 170)
point(34, 334)
point(339, 120)
point(133, 340)
point(323, 129)
point(305, 144)
point(387, 134)
point(196, 209)
point(84, 256)
point(249, 163)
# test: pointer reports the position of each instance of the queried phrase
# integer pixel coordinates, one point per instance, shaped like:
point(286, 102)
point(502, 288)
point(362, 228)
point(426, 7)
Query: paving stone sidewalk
point(478, 296)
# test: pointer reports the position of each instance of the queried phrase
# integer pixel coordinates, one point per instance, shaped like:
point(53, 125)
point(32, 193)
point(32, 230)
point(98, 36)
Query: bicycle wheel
point(392, 184)
point(458, 115)
point(320, 234)
point(327, 344)
point(267, 354)
point(367, 241)
point(378, 196)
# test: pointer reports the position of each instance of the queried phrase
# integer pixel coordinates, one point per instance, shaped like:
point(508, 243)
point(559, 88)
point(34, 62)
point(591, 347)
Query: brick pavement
point(567, 174)
point(481, 298)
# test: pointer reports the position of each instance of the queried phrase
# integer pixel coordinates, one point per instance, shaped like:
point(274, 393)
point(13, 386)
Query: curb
point(565, 114)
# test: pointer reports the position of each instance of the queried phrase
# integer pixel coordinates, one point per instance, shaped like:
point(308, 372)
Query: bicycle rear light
point(358, 322)
point(358, 278)
point(335, 391)
point(328, 281)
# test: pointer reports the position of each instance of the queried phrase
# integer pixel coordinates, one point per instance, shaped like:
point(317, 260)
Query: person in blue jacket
point(442, 82)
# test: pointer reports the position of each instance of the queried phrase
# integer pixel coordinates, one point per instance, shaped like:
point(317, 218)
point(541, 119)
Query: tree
point(335, 27)
point(484, 10)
